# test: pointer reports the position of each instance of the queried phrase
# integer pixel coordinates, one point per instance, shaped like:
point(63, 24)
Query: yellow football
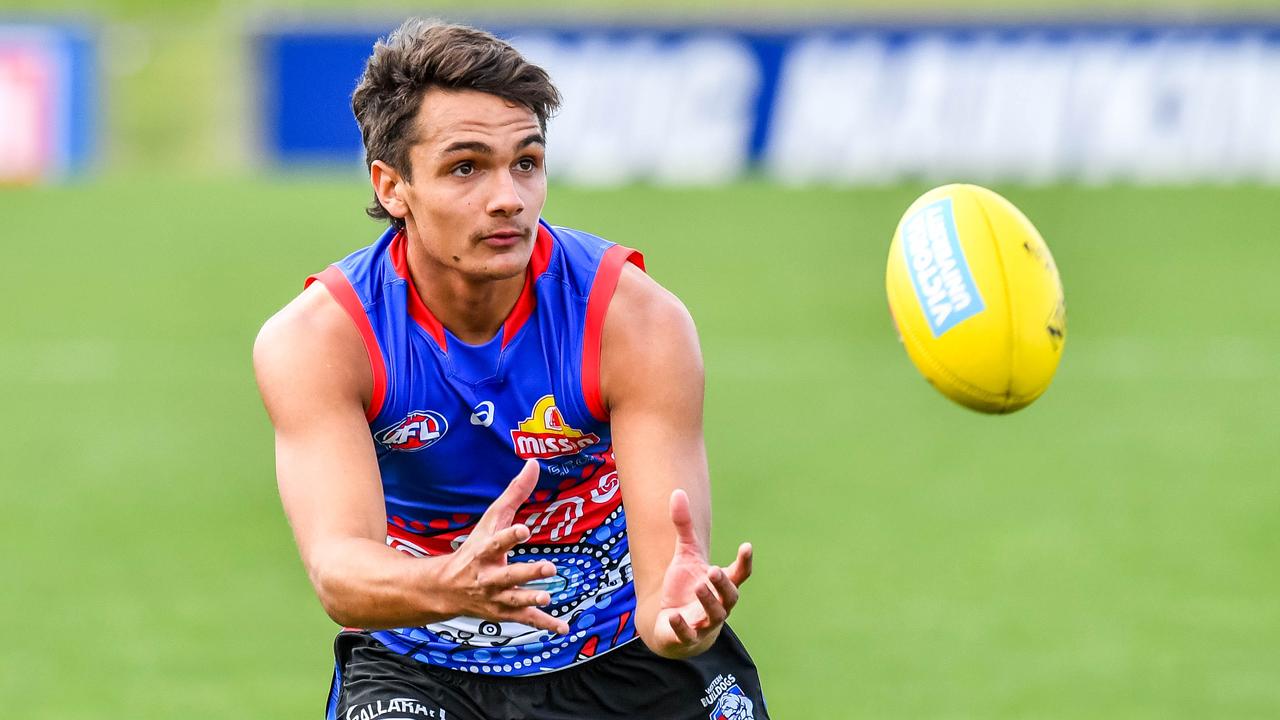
point(977, 298)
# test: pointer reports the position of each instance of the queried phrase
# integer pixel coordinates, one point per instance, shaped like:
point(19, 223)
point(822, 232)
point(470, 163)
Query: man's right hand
point(478, 581)
point(316, 382)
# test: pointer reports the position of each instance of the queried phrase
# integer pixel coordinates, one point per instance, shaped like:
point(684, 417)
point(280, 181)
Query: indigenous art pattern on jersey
point(453, 423)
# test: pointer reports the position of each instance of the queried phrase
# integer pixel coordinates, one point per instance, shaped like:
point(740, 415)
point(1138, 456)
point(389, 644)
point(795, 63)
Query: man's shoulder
point(649, 341)
point(643, 306)
point(310, 332)
point(313, 313)
point(321, 312)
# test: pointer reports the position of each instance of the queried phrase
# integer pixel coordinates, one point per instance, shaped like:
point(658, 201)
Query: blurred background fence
point(848, 103)
point(687, 95)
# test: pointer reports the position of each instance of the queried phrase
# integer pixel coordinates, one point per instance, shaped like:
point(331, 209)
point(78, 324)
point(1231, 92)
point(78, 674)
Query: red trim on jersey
point(528, 299)
point(417, 309)
point(519, 314)
point(340, 288)
point(597, 305)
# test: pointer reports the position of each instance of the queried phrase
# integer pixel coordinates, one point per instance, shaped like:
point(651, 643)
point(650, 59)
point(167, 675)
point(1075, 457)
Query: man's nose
point(505, 199)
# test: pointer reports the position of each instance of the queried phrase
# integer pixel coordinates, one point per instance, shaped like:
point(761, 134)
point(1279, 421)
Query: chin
point(503, 266)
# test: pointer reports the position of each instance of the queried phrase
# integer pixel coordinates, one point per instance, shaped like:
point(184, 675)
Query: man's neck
point(473, 310)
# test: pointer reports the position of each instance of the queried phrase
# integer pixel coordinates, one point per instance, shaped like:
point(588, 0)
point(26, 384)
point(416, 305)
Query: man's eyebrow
point(534, 139)
point(468, 145)
point(484, 149)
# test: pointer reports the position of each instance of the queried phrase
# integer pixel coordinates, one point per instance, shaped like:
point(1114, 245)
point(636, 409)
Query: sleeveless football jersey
point(453, 423)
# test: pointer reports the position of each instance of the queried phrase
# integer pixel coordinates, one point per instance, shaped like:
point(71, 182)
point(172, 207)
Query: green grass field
point(1109, 552)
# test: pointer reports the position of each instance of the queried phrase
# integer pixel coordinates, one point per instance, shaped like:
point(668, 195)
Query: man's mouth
point(503, 238)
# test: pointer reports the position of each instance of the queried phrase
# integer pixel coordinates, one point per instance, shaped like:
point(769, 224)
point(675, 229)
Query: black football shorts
point(373, 683)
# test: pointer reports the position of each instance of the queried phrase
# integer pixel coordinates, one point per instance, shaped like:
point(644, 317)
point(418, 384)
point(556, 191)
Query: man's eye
point(464, 169)
point(527, 164)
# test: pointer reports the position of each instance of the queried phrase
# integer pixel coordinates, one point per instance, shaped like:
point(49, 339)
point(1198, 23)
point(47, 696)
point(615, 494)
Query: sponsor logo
point(394, 709)
point(571, 465)
point(482, 415)
point(938, 269)
point(419, 429)
point(544, 433)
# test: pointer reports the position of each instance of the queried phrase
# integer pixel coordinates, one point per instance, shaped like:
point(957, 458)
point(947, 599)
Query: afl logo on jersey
point(544, 433)
point(419, 429)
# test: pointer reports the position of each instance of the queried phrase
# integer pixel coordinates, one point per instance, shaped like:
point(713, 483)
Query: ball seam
point(1008, 304)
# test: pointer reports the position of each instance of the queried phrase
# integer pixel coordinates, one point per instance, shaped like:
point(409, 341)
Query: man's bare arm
point(652, 383)
point(315, 381)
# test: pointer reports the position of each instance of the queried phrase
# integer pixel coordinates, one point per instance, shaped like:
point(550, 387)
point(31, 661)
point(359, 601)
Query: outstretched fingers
point(682, 518)
point(541, 620)
point(519, 574)
point(740, 570)
point(715, 610)
point(505, 540)
point(503, 510)
point(681, 628)
point(724, 588)
point(518, 599)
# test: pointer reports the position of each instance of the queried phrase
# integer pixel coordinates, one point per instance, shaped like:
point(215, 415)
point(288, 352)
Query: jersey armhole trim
point(606, 281)
point(340, 288)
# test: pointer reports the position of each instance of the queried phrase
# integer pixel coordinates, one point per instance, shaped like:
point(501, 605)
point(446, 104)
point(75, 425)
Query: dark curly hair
point(422, 54)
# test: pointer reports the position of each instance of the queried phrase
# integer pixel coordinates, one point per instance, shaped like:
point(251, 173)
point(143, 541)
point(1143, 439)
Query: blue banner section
point(48, 101)
point(1038, 102)
point(307, 81)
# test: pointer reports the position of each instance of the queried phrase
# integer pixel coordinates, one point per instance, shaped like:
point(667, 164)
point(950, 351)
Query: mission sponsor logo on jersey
point(544, 433)
point(419, 429)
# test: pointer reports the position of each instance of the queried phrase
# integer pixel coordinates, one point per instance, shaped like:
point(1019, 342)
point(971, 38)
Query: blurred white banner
point(642, 108)
point(1034, 110)
point(855, 103)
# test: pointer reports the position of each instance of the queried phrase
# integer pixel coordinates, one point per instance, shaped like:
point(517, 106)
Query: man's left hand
point(696, 597)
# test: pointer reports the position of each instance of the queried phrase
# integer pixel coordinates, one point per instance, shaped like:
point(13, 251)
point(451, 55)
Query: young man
point(463, 409)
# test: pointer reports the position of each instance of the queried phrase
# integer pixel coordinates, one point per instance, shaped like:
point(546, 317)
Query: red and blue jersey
point(454, 422)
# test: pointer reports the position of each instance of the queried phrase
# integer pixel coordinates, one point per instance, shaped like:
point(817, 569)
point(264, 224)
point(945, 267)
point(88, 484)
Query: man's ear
point(388, 185)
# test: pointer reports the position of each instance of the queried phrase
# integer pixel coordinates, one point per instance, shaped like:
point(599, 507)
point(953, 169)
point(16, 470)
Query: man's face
point(478, 182)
